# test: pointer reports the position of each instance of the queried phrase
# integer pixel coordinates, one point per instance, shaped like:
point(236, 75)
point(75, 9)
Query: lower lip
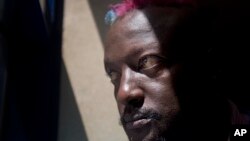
point(138, 123)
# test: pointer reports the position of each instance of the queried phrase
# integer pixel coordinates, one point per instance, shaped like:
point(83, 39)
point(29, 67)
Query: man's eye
point(148, 62)
point(114, 76)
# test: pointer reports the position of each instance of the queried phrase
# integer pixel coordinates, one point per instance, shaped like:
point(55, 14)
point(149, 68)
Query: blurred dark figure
point(31, 40)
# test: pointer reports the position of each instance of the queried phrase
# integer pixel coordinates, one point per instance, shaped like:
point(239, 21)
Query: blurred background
point(52, 82)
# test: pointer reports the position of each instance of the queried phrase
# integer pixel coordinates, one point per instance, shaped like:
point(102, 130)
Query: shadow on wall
point(71, 126)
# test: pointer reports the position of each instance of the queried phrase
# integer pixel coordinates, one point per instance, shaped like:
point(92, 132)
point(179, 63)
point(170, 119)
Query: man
point(158, 56)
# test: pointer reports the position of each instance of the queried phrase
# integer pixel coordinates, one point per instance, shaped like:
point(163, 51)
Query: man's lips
point(138, 120)
point(128, 118)
point(137, 123)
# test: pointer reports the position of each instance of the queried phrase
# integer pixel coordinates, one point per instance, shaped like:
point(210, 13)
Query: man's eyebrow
point(137, 51)
point(140, 50)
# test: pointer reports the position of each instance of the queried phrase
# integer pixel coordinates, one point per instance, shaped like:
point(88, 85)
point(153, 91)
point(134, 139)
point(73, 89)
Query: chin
point(166, 129)
point(149, 132)
point(151, 136)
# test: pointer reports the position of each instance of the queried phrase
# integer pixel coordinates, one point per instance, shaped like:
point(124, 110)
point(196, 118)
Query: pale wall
point(87, 107)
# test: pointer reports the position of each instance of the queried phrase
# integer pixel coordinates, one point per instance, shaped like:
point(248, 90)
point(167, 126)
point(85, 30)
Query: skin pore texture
point(145, 70)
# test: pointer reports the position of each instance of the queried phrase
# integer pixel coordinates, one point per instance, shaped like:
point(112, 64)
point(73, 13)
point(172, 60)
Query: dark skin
point(138, 61)
point(143, 84)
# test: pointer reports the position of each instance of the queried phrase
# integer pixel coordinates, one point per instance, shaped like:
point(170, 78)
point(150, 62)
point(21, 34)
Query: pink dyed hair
point(127, 5)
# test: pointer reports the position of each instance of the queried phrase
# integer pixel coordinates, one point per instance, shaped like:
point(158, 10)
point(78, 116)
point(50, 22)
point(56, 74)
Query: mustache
point(139, 114)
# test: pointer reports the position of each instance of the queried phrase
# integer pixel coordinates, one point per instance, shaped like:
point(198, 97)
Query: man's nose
point(130, 92)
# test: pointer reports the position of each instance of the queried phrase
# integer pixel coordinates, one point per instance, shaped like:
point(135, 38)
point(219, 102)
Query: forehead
point(128, 35)
point(134, 21)
point(132, 26)
point(140, 29)
point(145, 20)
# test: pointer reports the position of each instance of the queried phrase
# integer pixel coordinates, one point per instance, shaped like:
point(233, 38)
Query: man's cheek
point(121, 109)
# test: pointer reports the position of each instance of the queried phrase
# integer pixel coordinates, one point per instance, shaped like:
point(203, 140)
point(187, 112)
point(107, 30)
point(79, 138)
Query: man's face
point(142, 78)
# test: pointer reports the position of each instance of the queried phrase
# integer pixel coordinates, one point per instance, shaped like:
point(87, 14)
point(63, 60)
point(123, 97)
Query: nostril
point(136, 103)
